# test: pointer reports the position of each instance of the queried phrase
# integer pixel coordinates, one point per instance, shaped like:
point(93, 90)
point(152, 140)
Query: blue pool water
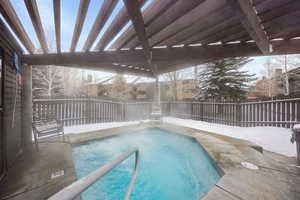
point(173, 167)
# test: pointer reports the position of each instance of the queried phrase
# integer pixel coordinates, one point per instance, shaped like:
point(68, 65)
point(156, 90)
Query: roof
point(295, 70)
point(167, 35)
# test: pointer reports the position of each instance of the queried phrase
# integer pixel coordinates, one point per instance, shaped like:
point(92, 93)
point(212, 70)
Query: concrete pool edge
point(277, 178)
point(237, 182)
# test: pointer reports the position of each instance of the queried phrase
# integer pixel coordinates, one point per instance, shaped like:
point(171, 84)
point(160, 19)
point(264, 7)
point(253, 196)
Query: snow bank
point(270, 138)
point(100, 126)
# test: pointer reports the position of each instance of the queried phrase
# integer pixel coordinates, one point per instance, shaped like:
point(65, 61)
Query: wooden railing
point(88, 111)
point(279, 113)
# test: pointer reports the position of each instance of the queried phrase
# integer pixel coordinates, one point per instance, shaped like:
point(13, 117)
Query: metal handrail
point(76, 188)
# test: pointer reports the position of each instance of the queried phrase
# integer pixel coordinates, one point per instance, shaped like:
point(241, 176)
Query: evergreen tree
point(224, 80)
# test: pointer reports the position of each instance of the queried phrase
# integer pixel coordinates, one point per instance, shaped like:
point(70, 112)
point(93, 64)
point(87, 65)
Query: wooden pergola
point(168, 35)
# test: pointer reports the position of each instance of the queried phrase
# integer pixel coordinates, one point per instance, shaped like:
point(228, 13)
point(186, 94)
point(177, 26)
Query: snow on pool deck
point(270, 138)
point(100, 126)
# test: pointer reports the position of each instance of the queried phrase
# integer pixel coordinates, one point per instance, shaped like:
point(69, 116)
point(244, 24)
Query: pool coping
point(237, 182)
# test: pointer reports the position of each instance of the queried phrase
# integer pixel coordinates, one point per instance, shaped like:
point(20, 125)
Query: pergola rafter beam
point(136, 17)
point(251, 22)
point(5, 34)
point(181, 56)
point(57, 14)
point(117, 24)
point(103, 15)
point(153, 11)
point(115, 69)
point(13, 21)
point(33, 12)
point(176, 11)
point(81, 14)
point(204, 10)
point(204, 25)
point(138, 23)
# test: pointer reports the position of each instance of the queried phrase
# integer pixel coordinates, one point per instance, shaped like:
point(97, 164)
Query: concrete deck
point(30, 177)
point(276, 178)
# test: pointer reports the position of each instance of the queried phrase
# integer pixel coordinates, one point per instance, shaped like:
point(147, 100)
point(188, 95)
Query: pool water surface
point(172, 167)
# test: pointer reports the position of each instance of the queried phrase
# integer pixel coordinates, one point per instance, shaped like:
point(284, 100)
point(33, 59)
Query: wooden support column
point(27, 107)
point(157, 91)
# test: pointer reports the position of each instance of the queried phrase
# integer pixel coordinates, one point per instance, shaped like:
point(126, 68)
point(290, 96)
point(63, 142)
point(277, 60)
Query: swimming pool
point(172, 166)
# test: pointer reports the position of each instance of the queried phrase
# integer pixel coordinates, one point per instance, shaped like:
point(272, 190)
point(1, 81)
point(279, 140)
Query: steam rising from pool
point(172, 167)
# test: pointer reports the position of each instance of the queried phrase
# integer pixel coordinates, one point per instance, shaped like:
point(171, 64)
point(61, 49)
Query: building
point(294, 82)
point(187, 89)
point(142, 91)
point(276, 86)
point(270, 87)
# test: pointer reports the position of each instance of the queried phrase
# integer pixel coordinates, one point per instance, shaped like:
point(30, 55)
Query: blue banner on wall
point(17, 69)
point(16, 62)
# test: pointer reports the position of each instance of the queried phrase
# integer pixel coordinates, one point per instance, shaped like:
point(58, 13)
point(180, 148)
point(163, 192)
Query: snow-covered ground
point(270, 138)
point(100, 126)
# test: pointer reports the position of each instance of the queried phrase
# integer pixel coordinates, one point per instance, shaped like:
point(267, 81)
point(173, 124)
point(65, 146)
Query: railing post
point(192, 103)
point(88, 110)
point(201, 111)
point(239, 114)
point(123, 111)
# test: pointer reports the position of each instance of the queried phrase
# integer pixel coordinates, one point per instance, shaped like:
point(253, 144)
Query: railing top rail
point(139, 102)
point(272, 101)
point(76, 99)
point(76, 188)
point(238, 102)
point(175, 102)
point(92, 99)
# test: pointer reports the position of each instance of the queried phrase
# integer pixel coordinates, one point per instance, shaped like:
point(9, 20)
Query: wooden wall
point(12, 110)
point(10, 115)
point(2, 164)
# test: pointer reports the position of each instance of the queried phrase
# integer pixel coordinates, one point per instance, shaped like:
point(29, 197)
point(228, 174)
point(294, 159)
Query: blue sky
point(68, 18)
point(69, 10)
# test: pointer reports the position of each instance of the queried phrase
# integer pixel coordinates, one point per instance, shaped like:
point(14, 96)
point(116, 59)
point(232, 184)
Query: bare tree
point(285, 63)
point(173, 78)
point(119, 87)
point(74, 82)
point(268, 72)
point(52, 81)
point(47, 81)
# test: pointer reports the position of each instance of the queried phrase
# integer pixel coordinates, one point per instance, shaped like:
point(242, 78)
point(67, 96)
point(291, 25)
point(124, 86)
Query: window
point(185, 81)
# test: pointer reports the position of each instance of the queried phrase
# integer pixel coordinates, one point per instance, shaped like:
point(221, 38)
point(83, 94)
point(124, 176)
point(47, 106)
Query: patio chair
point(46, 128)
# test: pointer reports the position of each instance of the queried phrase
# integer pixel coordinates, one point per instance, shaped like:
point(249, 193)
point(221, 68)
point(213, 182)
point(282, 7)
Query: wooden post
point(88, 110)
point(239, 115)
point(27, 107)
point(123, 112)
point(202, 112)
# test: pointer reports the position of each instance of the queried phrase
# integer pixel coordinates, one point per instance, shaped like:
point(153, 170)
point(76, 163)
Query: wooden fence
point(87, 111)
point(279, 113)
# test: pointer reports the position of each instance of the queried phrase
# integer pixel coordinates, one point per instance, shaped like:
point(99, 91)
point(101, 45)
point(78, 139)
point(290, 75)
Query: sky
point(69, 10)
